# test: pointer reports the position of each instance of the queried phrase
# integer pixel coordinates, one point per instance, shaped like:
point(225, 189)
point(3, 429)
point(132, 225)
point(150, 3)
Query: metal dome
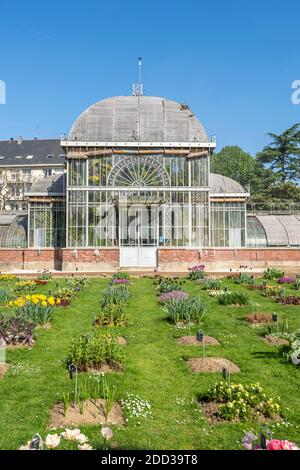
point(137, 118)
point(223, 184)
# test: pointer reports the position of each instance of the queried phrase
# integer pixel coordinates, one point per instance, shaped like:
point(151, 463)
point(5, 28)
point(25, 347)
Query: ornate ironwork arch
point(138, 171)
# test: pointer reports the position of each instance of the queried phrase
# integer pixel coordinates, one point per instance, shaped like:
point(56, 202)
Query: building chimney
point(19, 140)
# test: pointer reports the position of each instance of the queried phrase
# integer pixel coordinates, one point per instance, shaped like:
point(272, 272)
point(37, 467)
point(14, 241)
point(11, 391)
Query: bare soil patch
point(93, 414)
point(106, 368)
point(259, 319)
point(211, 364)
point(192, 341)
point(3, 369)
point(121, 340)
point(274, 340)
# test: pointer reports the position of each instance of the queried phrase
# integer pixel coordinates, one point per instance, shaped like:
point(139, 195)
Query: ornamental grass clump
point(233, 298)
point(6, 295)
point(185, 311)
point(243, 278)
point(242, 402)
point(115, 294)
point(212, 284)
point(94, 350)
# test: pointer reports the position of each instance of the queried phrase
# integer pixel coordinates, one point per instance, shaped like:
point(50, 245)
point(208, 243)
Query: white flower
point(52, 441)
point(85, 447)
point(81, 438)
point(107, 433)
point(71, 434)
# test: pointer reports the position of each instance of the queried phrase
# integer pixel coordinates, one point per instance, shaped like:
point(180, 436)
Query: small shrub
point(190, 310)
point(121, 275)
point(196, 272)
point(233, 298)
point(212, 284)
point(94, 350)
point(272, 273)
point(112, 315)
point(242, 402)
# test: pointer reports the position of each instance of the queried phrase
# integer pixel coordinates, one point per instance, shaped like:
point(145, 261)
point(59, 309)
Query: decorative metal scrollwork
point(138, 171)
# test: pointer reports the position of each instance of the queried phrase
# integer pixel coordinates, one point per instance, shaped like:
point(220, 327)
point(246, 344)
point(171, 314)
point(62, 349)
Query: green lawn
point(155, 370)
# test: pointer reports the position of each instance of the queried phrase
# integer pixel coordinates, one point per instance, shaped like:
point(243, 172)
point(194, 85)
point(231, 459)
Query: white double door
point(138, 226)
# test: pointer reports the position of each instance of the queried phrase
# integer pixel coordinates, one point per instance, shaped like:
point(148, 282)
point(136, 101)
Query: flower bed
point(196, 272)
point(239, 402)
point(288, 300)
point(251, 442)
point(177, 294)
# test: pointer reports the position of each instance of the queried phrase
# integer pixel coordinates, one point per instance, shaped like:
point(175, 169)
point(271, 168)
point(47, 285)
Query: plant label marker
point(36, 442)
point(200, 337)
point(265, 432)
point(72, 368)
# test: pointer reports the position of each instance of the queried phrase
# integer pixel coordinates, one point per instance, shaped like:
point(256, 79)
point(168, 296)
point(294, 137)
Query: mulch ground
point(3, 369)
point(192, 341)
point(274, 340)
point(92, 414)
point(211, 364)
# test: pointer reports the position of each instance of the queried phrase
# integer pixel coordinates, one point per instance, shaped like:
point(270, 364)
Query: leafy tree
point(282, 154)
point(239, 165)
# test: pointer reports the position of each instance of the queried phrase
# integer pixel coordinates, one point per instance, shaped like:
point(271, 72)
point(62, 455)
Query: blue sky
point(233, 62)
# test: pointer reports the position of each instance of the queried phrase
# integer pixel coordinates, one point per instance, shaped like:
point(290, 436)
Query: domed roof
point(222, 184)
point(137, 118)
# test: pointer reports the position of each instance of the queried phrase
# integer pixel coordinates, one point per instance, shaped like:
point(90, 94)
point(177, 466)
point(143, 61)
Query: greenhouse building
point(138, 192)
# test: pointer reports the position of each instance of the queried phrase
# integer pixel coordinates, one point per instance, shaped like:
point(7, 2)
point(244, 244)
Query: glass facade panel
point(47, 225)
point(227, 224)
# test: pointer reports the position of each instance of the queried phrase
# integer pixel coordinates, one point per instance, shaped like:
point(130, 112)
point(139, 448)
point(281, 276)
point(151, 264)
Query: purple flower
point(177, 294)
point(200, 267)
point(286, 280)
point(120, 281)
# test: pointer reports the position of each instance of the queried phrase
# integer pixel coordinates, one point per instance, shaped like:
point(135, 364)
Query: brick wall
point(168, 259)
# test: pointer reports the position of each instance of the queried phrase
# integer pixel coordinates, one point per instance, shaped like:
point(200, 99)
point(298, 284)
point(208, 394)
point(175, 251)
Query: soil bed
point(211, 364)
point(192, 341)
point(274, 340)
point(210, 410)
point(93, 414)
point(3, 369)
